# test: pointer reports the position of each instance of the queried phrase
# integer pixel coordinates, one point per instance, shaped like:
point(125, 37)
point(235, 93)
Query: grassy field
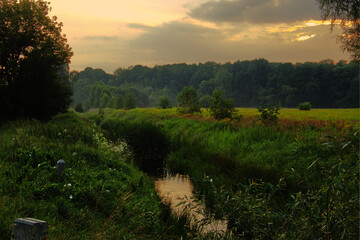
point(297, 179)
point(101, 195)
point(285, 113)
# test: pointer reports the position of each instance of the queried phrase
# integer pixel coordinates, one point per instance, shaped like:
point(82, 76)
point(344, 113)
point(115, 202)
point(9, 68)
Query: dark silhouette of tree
point(34, 56)
point(348, 12)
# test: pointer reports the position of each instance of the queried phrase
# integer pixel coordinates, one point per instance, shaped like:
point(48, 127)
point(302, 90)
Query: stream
point(178, 191)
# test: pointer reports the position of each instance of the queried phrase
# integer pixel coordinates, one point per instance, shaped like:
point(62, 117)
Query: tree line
point(324, 84)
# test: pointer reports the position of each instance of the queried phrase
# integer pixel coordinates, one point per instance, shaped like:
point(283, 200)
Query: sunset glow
point(124, 33)
point(306, 37)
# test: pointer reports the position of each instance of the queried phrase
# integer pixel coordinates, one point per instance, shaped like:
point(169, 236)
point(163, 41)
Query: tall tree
point(33, 59)
point(348, 12)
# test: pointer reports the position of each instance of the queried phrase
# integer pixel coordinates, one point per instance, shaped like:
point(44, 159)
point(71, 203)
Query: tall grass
point(294, 180)
point(148, 142)
point(100, 195)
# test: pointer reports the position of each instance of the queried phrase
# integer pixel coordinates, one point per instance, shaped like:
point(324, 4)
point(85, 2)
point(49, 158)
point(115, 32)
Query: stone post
point(60, 167)
point(29, 229)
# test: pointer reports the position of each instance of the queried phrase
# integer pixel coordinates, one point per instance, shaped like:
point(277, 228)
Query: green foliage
point(249, 83)
point(100, 195)
point(188, 101)
point(306, 106)
point(221, 107)
point(118, 102)
point(326, 209)
point(164, 102)
point(129, 101)
point(148, 142)
point(269, 114)
point(309, 187)
point(205, 101)
point(34, 58)
point(104, 101)
point(78, 108)
point(223, 80)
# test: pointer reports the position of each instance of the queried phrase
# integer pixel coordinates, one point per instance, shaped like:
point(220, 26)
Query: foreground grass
point(101, 195)
point(294, 180)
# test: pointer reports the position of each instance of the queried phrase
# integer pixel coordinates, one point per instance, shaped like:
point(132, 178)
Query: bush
point(79, 108)
point(305, 106)
point(164, 103)
point(188, 101)
point(269, 114)
point(221, 107)
point(148, 142)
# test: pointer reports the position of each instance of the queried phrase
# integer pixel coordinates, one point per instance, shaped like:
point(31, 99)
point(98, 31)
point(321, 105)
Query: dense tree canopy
point(250, 83)
point(34, 56)
point(348, 12)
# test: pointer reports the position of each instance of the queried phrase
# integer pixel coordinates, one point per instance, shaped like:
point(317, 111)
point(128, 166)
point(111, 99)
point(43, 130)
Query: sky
point(109, 34)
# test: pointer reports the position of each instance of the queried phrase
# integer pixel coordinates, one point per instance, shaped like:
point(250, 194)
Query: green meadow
point(295, 179)
point(101, 194)
point(352, 114)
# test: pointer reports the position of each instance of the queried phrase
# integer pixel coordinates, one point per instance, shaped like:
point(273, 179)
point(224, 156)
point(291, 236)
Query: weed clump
point(148, 142)
point(305, 106)
point(269, 115)
point(221, 107)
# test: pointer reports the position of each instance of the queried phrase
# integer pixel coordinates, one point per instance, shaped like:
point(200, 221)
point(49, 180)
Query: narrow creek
point(177, 189)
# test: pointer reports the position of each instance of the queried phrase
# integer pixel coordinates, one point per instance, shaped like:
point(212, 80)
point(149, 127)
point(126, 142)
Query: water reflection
point(176, 189)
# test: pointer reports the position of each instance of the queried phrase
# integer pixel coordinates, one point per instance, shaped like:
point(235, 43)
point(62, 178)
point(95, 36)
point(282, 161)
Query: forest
point(324, 84)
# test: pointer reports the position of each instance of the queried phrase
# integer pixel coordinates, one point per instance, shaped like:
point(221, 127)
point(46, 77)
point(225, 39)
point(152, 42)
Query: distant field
point(319, 114)
point(285, 113)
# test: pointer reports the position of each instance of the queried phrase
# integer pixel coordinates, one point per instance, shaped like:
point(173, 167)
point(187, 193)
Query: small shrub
point(221, 107)
point(79, 108)
point(305, 106)
point(188, 101)
point(164, 103)
point(269, 114)
point(148, 142)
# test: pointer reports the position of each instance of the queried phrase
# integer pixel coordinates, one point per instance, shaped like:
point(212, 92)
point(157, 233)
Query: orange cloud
point(305, 37)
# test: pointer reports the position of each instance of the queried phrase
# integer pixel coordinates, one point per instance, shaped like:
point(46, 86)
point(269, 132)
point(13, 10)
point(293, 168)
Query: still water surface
point(176, 189)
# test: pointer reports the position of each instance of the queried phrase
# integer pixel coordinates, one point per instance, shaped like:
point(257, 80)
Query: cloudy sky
point(109, 34)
